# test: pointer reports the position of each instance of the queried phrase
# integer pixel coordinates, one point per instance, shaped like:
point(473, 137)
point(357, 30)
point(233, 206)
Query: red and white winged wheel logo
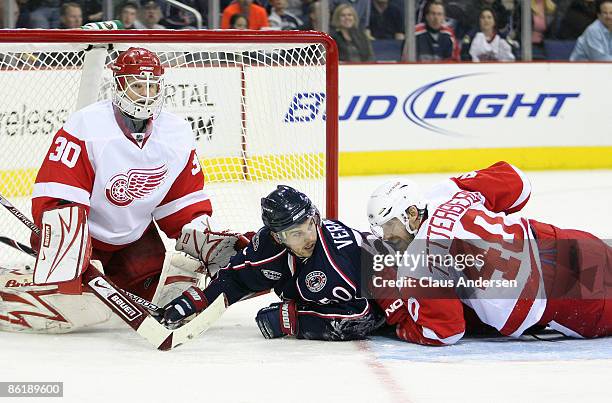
point(123, 189)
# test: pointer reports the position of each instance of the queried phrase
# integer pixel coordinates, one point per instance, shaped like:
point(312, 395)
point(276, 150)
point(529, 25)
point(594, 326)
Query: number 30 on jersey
point(66, 152)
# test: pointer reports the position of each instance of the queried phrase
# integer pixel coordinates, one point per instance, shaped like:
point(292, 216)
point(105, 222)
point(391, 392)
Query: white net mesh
point(257, 111)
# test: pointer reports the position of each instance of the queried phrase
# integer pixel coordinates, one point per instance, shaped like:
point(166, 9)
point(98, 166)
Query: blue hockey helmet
point(285, 207)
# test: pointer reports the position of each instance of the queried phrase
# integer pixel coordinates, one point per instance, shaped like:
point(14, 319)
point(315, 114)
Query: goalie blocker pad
point(65, 246)
point(180, 272)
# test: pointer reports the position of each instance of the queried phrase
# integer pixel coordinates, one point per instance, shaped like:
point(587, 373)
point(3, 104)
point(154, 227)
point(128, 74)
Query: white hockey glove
point(65, 245)
point(213, 248)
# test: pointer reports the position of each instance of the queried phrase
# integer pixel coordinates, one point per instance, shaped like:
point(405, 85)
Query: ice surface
point(233, 363)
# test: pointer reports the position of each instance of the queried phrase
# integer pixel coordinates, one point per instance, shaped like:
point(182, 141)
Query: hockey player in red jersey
point(521, 273)
point(111, 170)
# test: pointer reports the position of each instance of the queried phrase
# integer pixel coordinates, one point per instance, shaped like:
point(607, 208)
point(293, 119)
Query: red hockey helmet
point(139, 85)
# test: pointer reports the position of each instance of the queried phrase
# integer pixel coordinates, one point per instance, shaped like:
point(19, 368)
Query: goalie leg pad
point(25, 307)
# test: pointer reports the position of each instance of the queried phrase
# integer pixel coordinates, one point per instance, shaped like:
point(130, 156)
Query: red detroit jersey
point(467, 218)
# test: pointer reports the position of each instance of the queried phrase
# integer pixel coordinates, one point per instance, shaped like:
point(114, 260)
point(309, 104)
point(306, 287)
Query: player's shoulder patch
point(255, 240)
point(271, 274)
point(263, 246)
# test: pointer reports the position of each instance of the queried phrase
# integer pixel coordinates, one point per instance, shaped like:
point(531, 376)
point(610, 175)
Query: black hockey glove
point(277, 320)
point(189, 302)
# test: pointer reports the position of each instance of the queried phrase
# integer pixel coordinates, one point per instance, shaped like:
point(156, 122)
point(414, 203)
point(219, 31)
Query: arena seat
point(387, 50)
point(558, 50)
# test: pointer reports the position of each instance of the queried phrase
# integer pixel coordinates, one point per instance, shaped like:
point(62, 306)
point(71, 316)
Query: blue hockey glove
point(277, 320)
point(189, 302)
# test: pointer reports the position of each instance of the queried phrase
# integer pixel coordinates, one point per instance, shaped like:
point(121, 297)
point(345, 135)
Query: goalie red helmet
point(139, 86)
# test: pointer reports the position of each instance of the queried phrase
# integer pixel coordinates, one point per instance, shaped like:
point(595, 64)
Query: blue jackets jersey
point(325, 286)
point(434, 46)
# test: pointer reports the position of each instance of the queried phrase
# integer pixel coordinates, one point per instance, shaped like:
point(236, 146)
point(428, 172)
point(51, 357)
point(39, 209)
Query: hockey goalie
point(112, 171)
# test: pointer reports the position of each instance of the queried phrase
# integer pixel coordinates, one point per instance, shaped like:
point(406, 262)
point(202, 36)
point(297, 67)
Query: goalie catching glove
point(213, 248)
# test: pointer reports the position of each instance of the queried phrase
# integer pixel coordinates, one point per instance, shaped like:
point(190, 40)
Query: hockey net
point(256, 103)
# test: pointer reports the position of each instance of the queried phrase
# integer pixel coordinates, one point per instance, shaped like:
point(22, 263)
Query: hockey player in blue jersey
point(313, 265)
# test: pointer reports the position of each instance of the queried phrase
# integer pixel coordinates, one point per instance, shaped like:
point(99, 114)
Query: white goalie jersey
point(124, 180)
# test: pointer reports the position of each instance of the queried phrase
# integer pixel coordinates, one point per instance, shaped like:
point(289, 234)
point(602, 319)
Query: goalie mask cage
point(262, 105)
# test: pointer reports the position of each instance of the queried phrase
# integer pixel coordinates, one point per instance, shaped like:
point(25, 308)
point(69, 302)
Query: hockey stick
point(29, 251)
point(18, 245)
point(136, 316)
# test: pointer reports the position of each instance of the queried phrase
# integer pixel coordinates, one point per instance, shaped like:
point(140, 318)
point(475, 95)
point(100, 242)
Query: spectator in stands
point(595, 44)
point(282, 19)
point(543, 11)
point(457, 17)
point(501, 12)
point(239, 21)
point(149, 18)
point(353, 44)
point(487, 44)
point(386, 21)
point(44, 14)
point(543, 14)
point(313, 13)
point(434, 40)
point(175, 18)
point(299, 8)
point(456, 13)
point(362, 8)
point(578, 16)
point(420, 10)
point(90, 9)
point(23, 20)
point(257, 15)
point(71, 16)
point(127, 14)
point(15, 13)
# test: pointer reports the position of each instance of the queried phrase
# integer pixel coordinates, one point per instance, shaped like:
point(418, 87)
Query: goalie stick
point(158, 311)
point(18, 245)
point(29, 251)
point(136, 316)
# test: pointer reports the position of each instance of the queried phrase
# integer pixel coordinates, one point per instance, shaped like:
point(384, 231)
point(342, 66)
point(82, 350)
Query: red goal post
point(263, 106)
